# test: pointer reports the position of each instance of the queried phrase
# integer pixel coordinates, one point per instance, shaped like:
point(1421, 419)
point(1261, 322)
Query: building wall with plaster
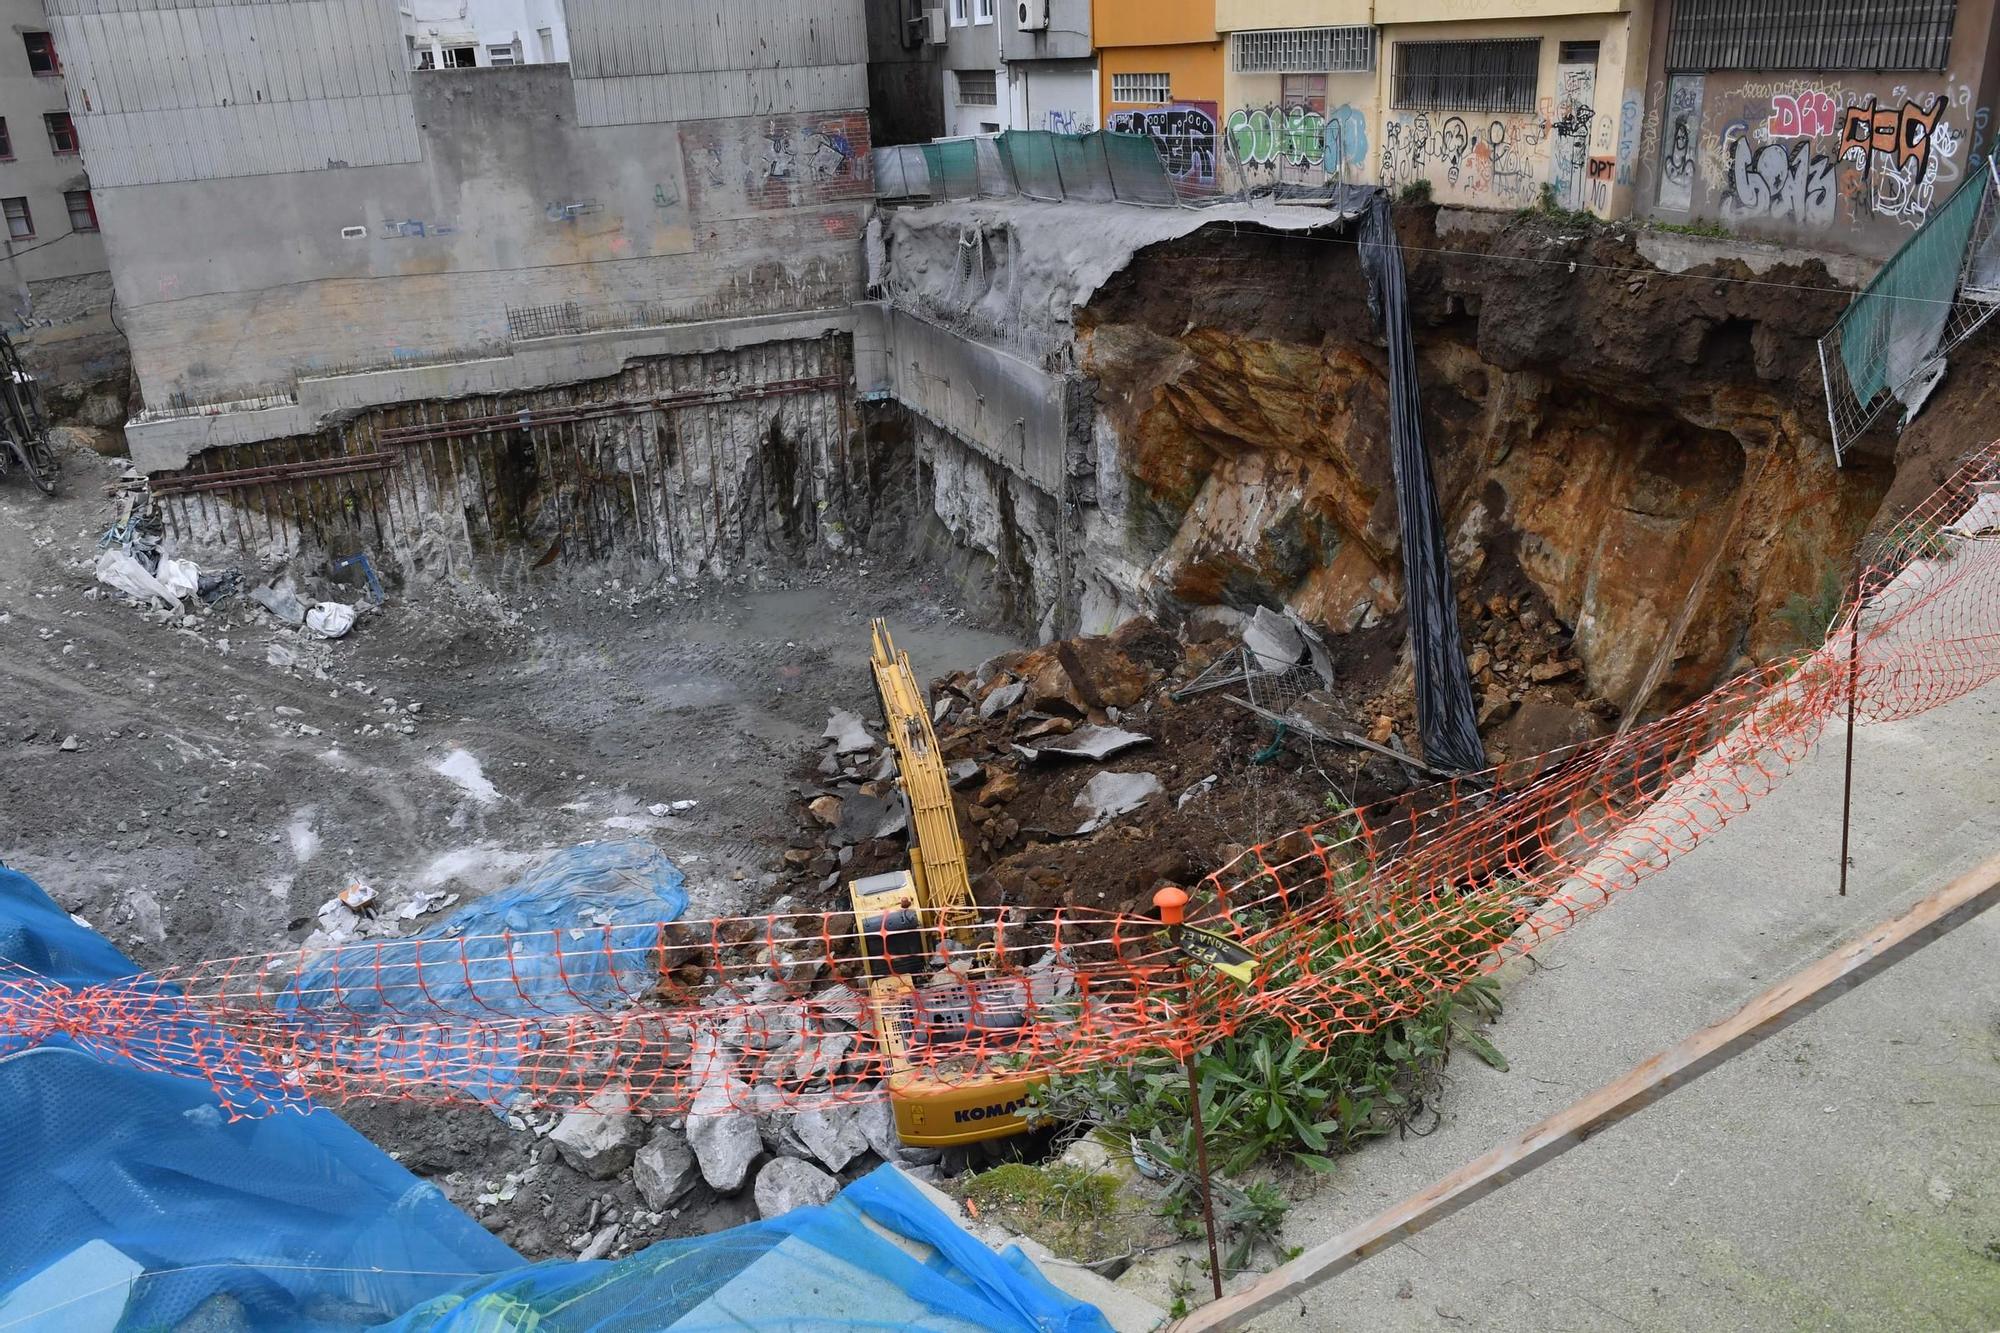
point(1576, 139)
point(277, 209)
point(1841, 160)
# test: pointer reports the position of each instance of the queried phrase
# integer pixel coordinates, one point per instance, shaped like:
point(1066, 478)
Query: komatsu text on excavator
point(934, 1002)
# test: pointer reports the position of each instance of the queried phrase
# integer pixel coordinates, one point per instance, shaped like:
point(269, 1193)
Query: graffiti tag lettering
point(1184, 133)
point(1792, 184)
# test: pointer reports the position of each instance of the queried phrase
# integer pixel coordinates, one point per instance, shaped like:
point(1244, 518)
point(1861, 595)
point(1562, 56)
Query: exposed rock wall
point(1618, 437)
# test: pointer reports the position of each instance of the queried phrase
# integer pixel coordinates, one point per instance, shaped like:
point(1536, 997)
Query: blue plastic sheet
point(812, 1268)
point(127, 1189)
point(130, 1201)
point(580, 932)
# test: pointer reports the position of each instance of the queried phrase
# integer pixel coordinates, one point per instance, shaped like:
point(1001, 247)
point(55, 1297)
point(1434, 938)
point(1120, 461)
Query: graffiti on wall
point(1791, 184)
point(1499, 162)
point(1066, 122)
point(1900, 153)
point(1576, 89)
point(1269, 139)
point(774, 162)
point(1185, 134)
point(1809, 153)
point(1680, 142)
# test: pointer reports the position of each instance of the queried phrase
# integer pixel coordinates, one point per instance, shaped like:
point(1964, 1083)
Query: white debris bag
point(179, 577)
point(121, 571)
point(330, 620)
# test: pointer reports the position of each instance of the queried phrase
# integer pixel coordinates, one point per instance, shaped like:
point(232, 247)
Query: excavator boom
point(944, 887)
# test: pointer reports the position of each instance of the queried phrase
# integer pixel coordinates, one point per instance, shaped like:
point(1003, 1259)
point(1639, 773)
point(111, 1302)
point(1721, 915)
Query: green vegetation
point(1547, 205)
point(1272, 1102)
point(1810, 616)
point(1712, 230)
point(1416, 192)
point(1072, 1211)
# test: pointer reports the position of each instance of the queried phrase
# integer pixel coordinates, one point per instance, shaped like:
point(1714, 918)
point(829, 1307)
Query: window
point(547, 38)
point(982, 11)
point(426, 58)
point(1492, 76)
point(500, 56)
point(82, 210)
point(62, 133)
point(1304, 90)
point(1306, 50)
point(1141, 89)
point(42, 53)
point(20, 222)
point(1576, 53)
point(461, 57)
point(978, 87)
point(6, 142)
point(960, 13)
point(1810, 34)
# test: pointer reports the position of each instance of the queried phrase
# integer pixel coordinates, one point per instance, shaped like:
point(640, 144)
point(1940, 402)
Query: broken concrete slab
point(724, 1139)
point(832, 1133)
point(599, 1138)
point(786, 1183)
point(1087, 742)
point(863, 817)
point(664, 1170)
point(1002, 699)
point(846, 731)
point(1273, 640)
point(1109, 795)
point(964, 773)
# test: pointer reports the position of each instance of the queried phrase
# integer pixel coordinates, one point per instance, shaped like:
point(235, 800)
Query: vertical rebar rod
point(1847, 774)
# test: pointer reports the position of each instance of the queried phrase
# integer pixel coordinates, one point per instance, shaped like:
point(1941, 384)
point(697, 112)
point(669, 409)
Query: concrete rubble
point(786, 1183)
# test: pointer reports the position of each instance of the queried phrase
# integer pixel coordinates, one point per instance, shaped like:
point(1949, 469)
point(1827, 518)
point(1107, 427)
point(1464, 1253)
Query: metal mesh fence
point(1101, 167)
point(1890, 344)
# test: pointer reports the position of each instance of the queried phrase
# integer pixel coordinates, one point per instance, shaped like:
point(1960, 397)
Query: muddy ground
point(192, 801)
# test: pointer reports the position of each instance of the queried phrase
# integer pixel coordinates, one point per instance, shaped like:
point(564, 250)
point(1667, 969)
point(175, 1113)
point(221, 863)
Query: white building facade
point(484, 34)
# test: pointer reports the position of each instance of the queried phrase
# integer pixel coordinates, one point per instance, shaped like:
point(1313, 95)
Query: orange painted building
point(1160, 47)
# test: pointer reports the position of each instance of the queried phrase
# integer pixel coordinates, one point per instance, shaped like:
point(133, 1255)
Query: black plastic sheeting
point(1446, 720)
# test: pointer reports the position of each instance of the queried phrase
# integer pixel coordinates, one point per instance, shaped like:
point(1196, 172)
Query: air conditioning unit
point(1031, 15)
point(935, 27)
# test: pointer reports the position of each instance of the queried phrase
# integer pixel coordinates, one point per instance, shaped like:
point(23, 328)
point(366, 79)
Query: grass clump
point(1072, 1211)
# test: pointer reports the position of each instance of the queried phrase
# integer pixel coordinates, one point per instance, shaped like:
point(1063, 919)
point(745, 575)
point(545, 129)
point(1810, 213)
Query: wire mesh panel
point(1810, 34)
point(953, 165)
point(1137, 173)
point(1890, 344)
point(1080, 160)
point(1030, 156)
point(900, 173)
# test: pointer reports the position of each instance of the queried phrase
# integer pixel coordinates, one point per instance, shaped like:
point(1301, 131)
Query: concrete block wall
point(284, 209)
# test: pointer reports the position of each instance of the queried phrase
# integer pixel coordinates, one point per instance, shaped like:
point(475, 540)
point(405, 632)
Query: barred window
point(1141, 89)
point(1304, 50)
point(978, 87)
point(1495, 76)
point(1810, 34)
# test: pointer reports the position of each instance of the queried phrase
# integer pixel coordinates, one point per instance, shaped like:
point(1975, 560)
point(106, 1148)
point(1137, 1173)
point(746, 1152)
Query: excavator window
point(897, 938)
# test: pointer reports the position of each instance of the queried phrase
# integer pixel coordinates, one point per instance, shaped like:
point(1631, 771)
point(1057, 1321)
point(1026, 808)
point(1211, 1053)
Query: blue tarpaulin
point(130, 1201)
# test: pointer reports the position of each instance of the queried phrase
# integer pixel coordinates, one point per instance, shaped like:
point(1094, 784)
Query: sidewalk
point(1844, 1175)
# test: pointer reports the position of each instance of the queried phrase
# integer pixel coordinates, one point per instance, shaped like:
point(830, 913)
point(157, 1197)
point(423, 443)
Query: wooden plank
point(1875, 950)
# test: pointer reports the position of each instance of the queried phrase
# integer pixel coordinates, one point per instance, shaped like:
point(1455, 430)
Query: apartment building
point(1839, 127)
point(1160, 73)
point(1299, 100)
point(57, 272)
point(484, 34)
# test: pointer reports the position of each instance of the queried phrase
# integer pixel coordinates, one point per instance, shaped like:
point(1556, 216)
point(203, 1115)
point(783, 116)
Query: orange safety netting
point(1358, 921)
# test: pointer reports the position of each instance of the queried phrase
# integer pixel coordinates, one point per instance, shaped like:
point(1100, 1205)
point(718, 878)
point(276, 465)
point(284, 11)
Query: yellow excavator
point(933, 1003)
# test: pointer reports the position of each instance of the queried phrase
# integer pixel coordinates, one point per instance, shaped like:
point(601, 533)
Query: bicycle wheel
point(42, 465)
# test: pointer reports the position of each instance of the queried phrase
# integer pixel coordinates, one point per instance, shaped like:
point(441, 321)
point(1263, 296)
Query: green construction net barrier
point(954, 169)
point(1894, 325)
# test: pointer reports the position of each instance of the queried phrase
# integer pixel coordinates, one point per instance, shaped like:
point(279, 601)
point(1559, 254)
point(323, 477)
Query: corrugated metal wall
point(182, 90)
point(638, 61)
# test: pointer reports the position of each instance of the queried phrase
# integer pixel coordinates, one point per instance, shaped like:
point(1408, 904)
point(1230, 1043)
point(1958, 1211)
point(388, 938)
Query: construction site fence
point(1889, 346)
point(1179, 156)
point(1357, 921)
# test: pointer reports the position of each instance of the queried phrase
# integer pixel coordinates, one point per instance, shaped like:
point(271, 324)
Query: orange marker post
point(1171, 903)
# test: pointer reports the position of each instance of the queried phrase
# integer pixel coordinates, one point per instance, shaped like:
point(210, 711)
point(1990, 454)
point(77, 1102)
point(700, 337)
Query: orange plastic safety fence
point(1357, 921)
